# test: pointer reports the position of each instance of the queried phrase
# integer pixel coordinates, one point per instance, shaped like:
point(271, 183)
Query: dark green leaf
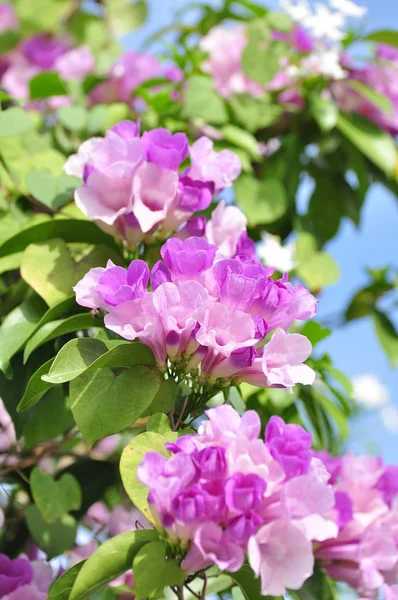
point(79, 355)
point(384, 36)
point(113, 558)
point(387, 335)
point(325, 112)
point(70, 230)
point(8, 40)
point(46, 84)
point(62, 587)
point(17, 327)
point(54, 498)
point(54, 329)
point(103, 404)
point(53, 538)
point(50, 419)
point(377, 145)
point(36, 388)
point(153, 572)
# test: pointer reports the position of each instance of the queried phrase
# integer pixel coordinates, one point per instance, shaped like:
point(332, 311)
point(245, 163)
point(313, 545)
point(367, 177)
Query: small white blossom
point(369, 392)
point(325, 24)
point(299, 11)
point(324, 62)
point(349, 8)
point(273, 254)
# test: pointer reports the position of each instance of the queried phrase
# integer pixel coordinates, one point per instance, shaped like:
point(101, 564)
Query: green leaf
point(52, 538)
point(279, 21)
point(52, 191)
point(8, 40)
point(132, 456)
point(387, 335)
point(315, 332)
point(54, 498)
point(54, 329)
point(41, 15)
point(36, 388)
point(118, 111)
point(159, 423)
point(14, 121)
point(201, 100)
point(81, 355)
point(323, 211)
point(263, 202)
point(248, 584)
point(325, 113)
point(50, 419)
point(103, 404)
point(254, 113)
point(10, 263)
point(261, 56)
point(46, 84)
point(62, 586)
point(318, 270)
point(17, 326)
point(243, 139)
point(165, 398)
point(49, 268)
point(73, 118)
point(382, 102)
point(377, 145)
point(113, 558)
point(125, 16)
point(153, 572)
point(318, 586)
point(334, 414)
point(70, 230)
point(384, 36)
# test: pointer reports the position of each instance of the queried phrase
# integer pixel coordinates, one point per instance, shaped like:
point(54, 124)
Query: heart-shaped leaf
point(153, 572)
point(52, 191)
point(53, 538)
point(103, 403)
point(54, 498)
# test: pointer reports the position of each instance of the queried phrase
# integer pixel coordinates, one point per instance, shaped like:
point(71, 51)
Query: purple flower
point(242, 527)
point(14, 574)
point(192, 505)
point(188, 259)
point(194, 227)
point(289, 445)
point(220, 168)
point(343, 508)
point(42, 50)
point(244, 493)
point(75, 63)
point(213, 546)
point(225, 229)
point(388, 484)
point(195, 195)
point(7, 430)
point(117, 285)
point(164, 148)
point(211, 463)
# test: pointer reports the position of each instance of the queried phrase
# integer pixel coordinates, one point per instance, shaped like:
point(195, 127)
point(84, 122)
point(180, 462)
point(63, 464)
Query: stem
point(203, 596)
point(180, 592)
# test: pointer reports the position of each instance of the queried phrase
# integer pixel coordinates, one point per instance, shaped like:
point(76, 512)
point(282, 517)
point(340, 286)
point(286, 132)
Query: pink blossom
point(212, 546)
point(390, 593)
point(281, 555)
point(225, 228)
point(8, 18)
point(283, 357)
point(75, 64)
point(7, 429)
point(221, 168)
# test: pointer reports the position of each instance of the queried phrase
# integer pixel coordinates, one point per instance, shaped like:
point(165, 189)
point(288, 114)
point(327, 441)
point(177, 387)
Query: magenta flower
point(289, 445)
point(42, 50)
point(213, 546)
point(7, 430)
point(76, 63)
point(220, 168)
point(24, 580)
point(164, 148)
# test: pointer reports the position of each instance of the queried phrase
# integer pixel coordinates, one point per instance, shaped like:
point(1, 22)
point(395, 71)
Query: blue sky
point(354, 348)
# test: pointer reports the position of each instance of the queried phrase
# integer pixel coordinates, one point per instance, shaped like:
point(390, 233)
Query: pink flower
point(79, 553)
point(21, 579)
point(213, 546)
point(7, 430)
point(225, 228)
point(283, 357)
point(390, 593)
point(8, 18)
point(221, 168)
point(76, 63)
point(281, 555)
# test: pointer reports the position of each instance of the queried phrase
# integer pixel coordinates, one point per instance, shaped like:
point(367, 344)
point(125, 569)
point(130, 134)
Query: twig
point(176, 426)
point(203, 596)
point(190, 590)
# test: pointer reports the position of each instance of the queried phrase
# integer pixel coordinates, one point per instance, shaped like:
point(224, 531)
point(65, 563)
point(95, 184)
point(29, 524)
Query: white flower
point(369, 391)
point(349, 8)
point(389, 417)
point(325, 24)
point(324, 62)
point(299, 11)
point(273, 254)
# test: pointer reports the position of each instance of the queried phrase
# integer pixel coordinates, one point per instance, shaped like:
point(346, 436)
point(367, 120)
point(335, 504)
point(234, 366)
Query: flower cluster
point(225, 492)
point(21, 579)
point(44, 52)
point(208, 311)
point(132, 184)
point(365, 552)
